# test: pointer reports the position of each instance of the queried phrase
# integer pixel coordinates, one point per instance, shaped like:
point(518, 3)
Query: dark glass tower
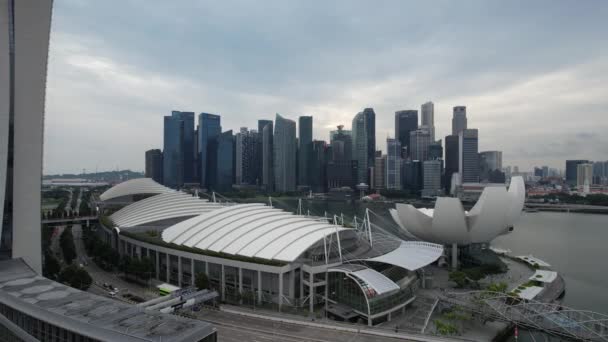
point(178, 150)
point(209, 128)
point(468, 143)
point(222, 152)
point(406, 121)
point(267, 164)
point(304, 150)
point(451, 160)
point(571, 167)
point(284, 154)
point(154, 165)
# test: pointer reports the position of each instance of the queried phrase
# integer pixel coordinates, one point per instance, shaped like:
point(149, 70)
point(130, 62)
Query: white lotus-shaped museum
point(494, 214)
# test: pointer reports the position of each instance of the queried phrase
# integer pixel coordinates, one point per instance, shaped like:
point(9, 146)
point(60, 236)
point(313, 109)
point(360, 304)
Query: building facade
point(459, 119)
point(584, 175)
point(284, 155)
point(178, 149)
point(222, 152)
point(490, 163)
point(247, 158)
point(304, 150)
point(420, 140)
point(209, 128)
point(452, 158)
point(572, 170)
point(24, 42)
point(431, 175)
point(154, 165)
point(267, 157)
point(406, 121)
point(393, 164)
point(427, 111)
point(468, 145)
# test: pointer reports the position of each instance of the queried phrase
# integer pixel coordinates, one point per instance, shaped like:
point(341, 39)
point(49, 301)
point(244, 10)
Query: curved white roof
point(370, 277)
point(135, 187)
point(162, 207)
point(251, 230)
point(411, 255)
point(494, 213)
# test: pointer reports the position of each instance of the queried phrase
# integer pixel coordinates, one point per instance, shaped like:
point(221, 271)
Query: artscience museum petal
point(448, 223)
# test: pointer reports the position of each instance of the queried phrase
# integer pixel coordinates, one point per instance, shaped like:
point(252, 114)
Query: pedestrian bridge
point(551, 318)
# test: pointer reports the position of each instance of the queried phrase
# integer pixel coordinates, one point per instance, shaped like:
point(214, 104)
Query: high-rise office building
point(24, 42)
point(267, 152)
point(452, 159)
point(571, 170)
point(209, 128)
point(246, 157)
point(490, 167)
point(364, 142)
point(341, 144)
point(304, 150)
point(420, 140)
point(427, 112)
point(379, 173)
point(406, 121)
point(284, 157)
point(318, 166)
point(412, 175)
point(393, 164)
point(435, 150)
point(431, 176)
point(584, 175)
point(341, 131)
point(459, 120)
point(154, 165)
point(178, 149)
point(221, 151)
point(468, 164)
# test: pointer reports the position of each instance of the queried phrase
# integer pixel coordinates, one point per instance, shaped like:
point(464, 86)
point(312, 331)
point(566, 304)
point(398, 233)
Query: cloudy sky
point(533, 74)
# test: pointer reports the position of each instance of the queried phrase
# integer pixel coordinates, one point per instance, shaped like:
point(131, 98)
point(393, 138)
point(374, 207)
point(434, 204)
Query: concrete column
point(292, 284)
point(157, 266)
point(207, 268)
point(179, 271)
point(192, 271)
point(241, 284)
point(280, 290)
point(388, 319)
point(311, 292)
point(301, 284)
point(223, 284)
point(259, 286)
point(454, 256)
point(168, 268)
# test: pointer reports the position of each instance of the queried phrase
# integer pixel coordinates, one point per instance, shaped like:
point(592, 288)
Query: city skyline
point(107, 84)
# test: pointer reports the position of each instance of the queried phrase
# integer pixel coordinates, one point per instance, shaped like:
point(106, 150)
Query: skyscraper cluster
point(283, 156)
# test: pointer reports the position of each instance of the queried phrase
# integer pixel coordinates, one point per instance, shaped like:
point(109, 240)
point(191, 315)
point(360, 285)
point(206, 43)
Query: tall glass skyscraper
point(267, 156)
point(420, 140)
point(178, 149)
point(304, 150)
point(154, 165)
point(469, 163)
point(209, 128)
point(452, 159)
point(247, 158)
point(427, 112)
point(459, 120)
point(364, 142)
point(284, 147)
point(406, 121)
point(223, 147)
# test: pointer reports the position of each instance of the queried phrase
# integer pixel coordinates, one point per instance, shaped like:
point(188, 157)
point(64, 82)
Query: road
point(100, 276)
point(238, 328)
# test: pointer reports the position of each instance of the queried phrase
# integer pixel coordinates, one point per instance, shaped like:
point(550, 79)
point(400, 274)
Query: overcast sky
point(533, 74)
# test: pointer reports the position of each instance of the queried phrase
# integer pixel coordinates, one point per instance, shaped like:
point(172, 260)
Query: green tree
point(66, 242)
point(201, 281)
point(51, 266)
point(76, 277)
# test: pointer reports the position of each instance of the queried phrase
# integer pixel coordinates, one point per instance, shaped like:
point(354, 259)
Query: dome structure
point(494, 214)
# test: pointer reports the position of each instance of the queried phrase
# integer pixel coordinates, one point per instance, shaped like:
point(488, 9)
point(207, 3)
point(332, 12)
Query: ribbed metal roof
point(162, 207)
point(411, 255)
point(135, 186)
point(251, 230)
